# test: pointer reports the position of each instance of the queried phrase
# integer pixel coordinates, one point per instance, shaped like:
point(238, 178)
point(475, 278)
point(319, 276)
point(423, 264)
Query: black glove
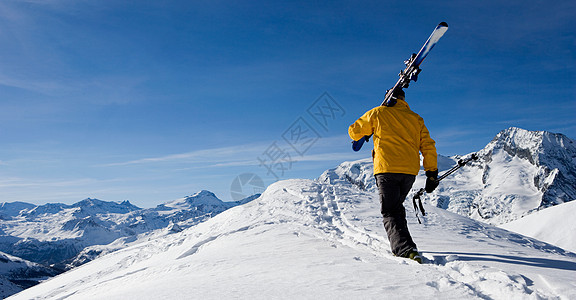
point(431, 182)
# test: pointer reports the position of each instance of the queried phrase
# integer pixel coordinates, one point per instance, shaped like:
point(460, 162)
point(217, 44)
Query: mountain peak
point(13, 209)
point(538, 147)
point(520, 171)
point(203, 197)
point(99, 206)
point(203, 193)
point(527, 138)
point(199, 200)
point(89, 202)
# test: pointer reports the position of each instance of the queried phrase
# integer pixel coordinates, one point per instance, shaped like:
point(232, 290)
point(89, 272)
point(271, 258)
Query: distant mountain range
point(52, 238)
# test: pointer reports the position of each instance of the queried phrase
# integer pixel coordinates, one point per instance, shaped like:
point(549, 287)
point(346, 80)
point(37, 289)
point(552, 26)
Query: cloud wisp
point(224, 154)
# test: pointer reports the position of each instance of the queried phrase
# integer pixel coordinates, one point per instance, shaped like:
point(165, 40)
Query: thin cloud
point(39, 86)
point(318, 157)
point(243, 155)
point(209, 155)
point(332, 157)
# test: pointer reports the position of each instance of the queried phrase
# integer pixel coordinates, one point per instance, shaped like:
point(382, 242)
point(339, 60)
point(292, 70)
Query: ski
point(410, 73)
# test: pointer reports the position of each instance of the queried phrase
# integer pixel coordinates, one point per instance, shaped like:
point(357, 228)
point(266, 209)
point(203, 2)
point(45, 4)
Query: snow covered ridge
point(523, 172)
point(306, 239)
point(64, 236)
point(518, 172)
point(553, 154)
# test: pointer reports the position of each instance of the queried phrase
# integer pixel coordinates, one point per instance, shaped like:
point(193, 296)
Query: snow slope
point(305, 239)
point(555, 225)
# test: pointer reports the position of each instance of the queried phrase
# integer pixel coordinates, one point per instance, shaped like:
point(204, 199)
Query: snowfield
point(322, 239)
point(555, 225)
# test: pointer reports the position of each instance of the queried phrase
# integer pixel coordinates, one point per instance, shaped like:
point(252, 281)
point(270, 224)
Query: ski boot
point(413, 255)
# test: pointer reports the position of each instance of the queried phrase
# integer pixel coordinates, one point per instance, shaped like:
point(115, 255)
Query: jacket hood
point(403, 103)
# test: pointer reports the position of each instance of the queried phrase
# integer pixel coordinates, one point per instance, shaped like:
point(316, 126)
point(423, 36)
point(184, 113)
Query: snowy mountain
point(17, 274)
point(56, 234)
point(10, 209)
point(518, 172)
point(310, 239)
point(554, 156)
point(52, 233)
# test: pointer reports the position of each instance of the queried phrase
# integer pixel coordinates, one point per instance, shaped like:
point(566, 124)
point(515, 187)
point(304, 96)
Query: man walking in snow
point(399, 136)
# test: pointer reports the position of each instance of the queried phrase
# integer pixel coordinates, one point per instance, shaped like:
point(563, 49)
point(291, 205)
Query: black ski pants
point(394, 188)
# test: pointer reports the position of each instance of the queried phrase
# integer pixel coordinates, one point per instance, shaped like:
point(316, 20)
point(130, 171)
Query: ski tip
point(443, 24)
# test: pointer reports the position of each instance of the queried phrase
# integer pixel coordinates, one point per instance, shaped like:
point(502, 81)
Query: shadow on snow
point(510, 259)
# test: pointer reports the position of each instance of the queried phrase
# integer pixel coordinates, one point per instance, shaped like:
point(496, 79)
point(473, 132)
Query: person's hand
point(431, 182)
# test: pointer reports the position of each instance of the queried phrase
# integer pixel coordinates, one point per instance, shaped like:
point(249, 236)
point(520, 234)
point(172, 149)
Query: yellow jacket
point(399, 136)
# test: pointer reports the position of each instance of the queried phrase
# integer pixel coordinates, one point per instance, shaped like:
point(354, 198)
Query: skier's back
point(399, 135)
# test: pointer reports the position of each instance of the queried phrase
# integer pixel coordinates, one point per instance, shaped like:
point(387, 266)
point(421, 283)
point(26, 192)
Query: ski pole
point(419, 206)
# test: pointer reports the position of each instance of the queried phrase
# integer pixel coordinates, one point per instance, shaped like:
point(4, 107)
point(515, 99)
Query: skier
point(399, 136)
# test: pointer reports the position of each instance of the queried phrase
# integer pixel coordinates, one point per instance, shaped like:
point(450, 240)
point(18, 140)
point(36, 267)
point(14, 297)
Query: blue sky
point(149, 101)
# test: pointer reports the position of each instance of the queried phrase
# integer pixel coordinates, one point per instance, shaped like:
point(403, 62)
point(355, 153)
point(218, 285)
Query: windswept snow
point(305, 239)
point(555, 225)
